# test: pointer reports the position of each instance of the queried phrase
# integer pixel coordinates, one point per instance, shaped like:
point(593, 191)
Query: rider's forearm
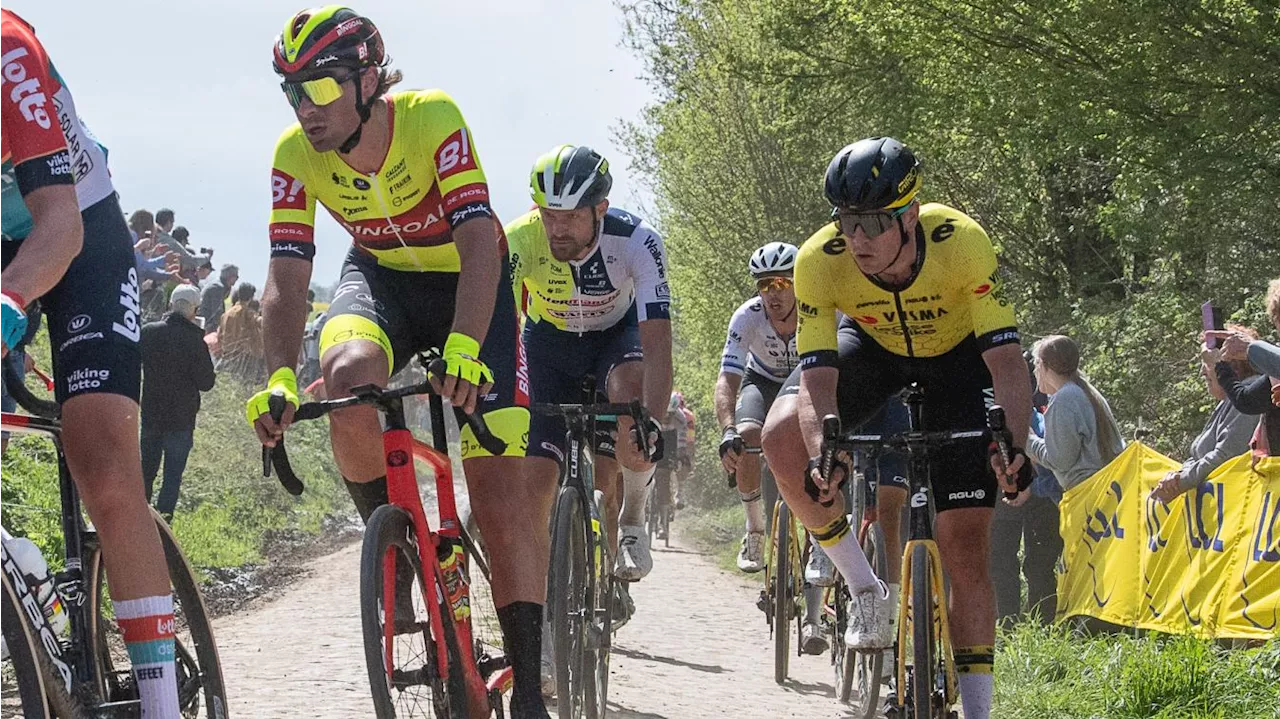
point(1012, 385)
point(817, 400)
point(726, 396)
point(655, 341)
point(478, 278)
point(57, 235)
point(284, 311)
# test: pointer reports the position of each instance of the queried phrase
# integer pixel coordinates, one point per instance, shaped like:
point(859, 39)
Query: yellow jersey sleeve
point(989, 310)
point(293, 209)
point(524, 234)
point(444, 135)
point(815, 301)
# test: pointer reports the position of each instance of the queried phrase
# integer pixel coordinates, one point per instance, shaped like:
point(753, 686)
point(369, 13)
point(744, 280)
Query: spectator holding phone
point(1258, 395)
point(1080, 434)
point(1225, 435)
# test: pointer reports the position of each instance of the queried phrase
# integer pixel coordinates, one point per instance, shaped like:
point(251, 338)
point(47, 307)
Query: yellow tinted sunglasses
point(321, 90)
point(774, 284)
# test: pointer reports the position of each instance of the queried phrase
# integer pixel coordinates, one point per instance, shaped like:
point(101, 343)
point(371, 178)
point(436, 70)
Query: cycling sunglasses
point(321, 91)
point(872, 223)
point(774, 284)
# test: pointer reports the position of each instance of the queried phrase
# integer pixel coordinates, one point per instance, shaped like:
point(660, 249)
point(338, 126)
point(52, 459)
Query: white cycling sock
point(841, 546)
point(147, 625)
point(635, 493)
point(754, 508)
point(975, 694)
point(812, 603)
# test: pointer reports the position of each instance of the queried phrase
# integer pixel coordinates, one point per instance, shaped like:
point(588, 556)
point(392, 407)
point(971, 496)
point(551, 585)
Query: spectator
point(1259, 395)
point(311, 302)
point(214, 298)
point(240, 336)
point(176, 368)
point(310, 360)
point(142, 225)
point(1225, 435)
point(191, 264)
point(1080, 434)
point(202, 275)
point(1030, 520)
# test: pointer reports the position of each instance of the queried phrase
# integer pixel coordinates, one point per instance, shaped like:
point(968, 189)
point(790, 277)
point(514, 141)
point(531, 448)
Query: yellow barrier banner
point(1207, 564)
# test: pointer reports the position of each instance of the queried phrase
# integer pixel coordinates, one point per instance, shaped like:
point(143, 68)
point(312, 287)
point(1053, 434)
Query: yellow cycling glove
point(283, 381)
point(462, 360)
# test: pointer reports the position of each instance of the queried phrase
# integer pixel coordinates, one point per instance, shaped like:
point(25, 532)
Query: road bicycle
point(925, 674)
point(658, 509)
point(581, 589)
point(87, 673)
point(430, 662)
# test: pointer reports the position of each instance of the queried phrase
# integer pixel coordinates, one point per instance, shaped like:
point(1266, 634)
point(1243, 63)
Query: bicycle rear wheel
point(923, 647)
point(41, 686)
point(866, 669)
point(783, 578)
point(405, 677)
point(569, 601)
point(201, 690)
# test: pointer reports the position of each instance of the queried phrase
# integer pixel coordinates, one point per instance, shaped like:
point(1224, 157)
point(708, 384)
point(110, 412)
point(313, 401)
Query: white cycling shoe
point(819, 572)
point(751, 556)
point(634, 560)
point(871, 615)
point(813, 640)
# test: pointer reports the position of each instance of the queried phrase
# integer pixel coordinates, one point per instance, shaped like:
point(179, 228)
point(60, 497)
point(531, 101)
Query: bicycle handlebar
point(632, 409)
point(277, 457)
point(49, 409)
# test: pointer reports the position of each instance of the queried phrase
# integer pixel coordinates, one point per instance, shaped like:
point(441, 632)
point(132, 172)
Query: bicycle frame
point(399, 450)
point(797, 554)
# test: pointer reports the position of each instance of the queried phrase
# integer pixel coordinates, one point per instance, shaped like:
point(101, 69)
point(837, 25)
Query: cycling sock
point(973, 667)
point(754, 507)
point(812, 603)
point(522, 638)
point(635, 494)
point(147, 625)
point(368, 496)
point(841, 546)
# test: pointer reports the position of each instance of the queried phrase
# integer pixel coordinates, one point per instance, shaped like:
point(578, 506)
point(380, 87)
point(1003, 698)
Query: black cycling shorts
point(755, 397)
point(559, 361)
point(410, 312)
point(957, 392)
point(93, 313)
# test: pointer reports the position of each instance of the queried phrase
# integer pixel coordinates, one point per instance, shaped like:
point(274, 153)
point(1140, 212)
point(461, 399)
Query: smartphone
point(1211, 319)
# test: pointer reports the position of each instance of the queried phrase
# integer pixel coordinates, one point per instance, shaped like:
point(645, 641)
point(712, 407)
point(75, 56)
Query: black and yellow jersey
point(954, 293)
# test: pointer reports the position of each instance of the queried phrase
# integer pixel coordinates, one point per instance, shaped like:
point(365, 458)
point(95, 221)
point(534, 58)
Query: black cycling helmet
point(878, 173)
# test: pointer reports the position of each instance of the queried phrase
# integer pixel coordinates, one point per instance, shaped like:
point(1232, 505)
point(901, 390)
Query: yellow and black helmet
point(878, 173)
point(329, 36)
point(570, 177)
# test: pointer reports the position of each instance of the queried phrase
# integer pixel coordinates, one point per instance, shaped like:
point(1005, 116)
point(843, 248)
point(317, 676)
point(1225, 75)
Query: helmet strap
point(364, 109)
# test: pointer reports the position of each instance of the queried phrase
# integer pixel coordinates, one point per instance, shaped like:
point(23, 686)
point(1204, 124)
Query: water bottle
point(452, 561)
point(29, 559)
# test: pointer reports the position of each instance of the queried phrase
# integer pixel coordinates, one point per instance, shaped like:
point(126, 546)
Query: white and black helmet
point(773, 258)
point(570, 177)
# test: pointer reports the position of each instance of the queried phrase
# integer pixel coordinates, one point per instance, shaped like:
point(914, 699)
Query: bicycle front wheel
point(601, 627)
point(41, 686)
point(923, 639)
point(569, 602)
point(201, 690)
point(402, 652)
point(783, 599)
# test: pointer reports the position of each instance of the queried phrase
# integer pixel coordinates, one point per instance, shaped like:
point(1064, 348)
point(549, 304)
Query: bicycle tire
point(924, 652)
point(597, 691)
point(41, 690)
point(782, 599)
point(390, 528)
point(197, 665)
point(569, 603)
point(867, 668)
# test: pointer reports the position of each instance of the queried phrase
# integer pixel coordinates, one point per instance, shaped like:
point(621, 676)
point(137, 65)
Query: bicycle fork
point(937, 614)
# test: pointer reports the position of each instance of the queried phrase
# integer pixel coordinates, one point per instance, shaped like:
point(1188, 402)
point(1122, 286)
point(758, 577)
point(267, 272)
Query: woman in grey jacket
point(1226, 434)
point(1080, 434)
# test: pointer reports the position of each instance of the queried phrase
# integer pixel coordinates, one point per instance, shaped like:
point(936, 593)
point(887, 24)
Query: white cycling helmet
point(773, 258)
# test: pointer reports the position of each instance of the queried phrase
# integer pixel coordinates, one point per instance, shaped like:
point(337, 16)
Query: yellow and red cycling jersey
point(954, 294)
point(404, 214)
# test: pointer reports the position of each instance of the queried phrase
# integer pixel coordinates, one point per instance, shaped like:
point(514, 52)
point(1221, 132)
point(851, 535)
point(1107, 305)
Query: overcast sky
point(183, 95)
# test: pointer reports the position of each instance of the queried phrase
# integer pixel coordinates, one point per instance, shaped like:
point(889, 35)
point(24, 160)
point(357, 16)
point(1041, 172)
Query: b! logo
point(455, 155)
point(287, 193)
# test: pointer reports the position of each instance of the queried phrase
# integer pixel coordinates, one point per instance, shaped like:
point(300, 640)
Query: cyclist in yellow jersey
point(921, 293)
point(401, 174)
